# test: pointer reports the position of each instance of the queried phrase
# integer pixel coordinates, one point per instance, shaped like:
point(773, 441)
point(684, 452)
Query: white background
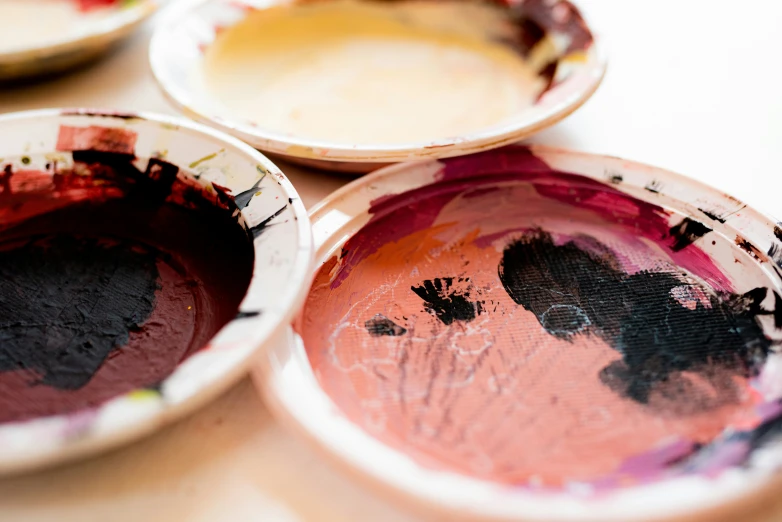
point(693, 86)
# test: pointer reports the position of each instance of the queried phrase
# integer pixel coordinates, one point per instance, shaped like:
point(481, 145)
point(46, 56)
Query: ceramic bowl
point(526, 334)
point(218, 226)
point(69, 36)
point(564, 54)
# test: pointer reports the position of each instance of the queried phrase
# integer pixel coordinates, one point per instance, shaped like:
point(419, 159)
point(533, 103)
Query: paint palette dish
point(143, 262)
point(353, 84)
point(48, 36)
point(535, 334)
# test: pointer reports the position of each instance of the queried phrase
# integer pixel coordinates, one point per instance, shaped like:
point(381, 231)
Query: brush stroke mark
point(258, 230)
point(653, 186)
point(713, 216)
point(775, 253)
point(95, 138)
point(686, 233)
point(248, 315)
point(65, 304)
point(636, 314)
point(446, 303)
point(206, 158)
point(243, 198)
point(749, 248)
point(615, 179)
point(381, 325)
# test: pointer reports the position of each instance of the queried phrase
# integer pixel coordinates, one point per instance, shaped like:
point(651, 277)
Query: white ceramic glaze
point(191, 26)
point(287, 379)
point(68, 42)
point(281, 273)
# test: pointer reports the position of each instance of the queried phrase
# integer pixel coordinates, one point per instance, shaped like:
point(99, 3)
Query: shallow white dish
point(418, 412)
point(36, 146)
point(551, 39)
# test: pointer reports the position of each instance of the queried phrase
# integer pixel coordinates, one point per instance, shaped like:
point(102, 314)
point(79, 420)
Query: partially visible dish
point(48, 36)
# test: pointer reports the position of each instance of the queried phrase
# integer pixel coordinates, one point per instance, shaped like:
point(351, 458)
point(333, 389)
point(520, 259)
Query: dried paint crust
point(571, 333)
point(110, 274)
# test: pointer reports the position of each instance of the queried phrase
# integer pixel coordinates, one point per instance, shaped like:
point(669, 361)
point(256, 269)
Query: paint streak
point(243, 198)
point(90, 5)
point(749, 248)
point(686, 233)
point(102, 265)
point(446, 303)
point(258, 230)
point(382, 325)
point(713, 216)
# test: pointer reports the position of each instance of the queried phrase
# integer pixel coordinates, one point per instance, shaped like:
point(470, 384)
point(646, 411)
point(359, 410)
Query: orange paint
point(497, 397)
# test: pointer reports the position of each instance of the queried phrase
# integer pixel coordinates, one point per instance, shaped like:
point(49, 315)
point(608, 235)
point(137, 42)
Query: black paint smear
point(637, 315)
point(748, 247)
point(547, 74)
point(382, 325)
point(247, 315)
point(653, 187)
point(778, 232)
point(258, 230)
point(66, 303)
point(616, 179)
point(150, 187)
point(712, 215)
point(243, 198)
point(447, 304)
point(686, 233)
point(775, 253)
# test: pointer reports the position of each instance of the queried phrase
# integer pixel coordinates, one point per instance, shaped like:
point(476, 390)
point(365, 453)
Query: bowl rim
point(300, 276)
point(276, 143)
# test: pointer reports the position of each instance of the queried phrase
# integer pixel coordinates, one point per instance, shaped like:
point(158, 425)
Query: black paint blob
point(66, 303)
point(660, 323)
point(686, 233)
point(382, 325)
point(446, 303)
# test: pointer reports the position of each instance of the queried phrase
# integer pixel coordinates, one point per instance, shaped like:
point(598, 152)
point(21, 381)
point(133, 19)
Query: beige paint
point(353, 72)
point(34, 23)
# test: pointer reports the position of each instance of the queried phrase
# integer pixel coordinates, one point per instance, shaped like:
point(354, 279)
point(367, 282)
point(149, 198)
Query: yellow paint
point(356, 72)
point(143, 395)
point(205, 158)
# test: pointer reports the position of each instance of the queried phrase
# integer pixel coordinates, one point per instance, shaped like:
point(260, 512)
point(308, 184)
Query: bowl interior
point(279, 74)
point(532, 330)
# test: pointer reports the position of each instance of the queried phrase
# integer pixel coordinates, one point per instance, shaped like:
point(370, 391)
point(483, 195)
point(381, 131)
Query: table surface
point(693, 86)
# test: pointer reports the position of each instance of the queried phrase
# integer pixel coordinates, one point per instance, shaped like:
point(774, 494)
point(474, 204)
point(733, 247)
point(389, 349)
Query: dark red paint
point(203, 263)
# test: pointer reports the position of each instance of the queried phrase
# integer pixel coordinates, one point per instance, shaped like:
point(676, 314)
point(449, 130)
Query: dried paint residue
point(570, 334)
point(375, 72)
point(111, 273)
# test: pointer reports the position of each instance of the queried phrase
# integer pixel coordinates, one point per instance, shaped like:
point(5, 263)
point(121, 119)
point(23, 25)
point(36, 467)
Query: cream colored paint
point(352, 72)
point(36, 23)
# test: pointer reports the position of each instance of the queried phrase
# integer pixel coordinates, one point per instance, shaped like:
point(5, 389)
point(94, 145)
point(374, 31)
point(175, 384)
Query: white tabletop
point(693, 86)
